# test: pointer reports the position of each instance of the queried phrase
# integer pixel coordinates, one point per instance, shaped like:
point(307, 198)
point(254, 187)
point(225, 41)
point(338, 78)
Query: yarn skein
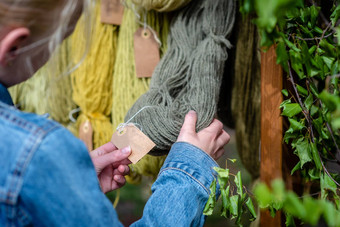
point(92, 81)
point(161, 5)
point(127, 88)
point(189, 75)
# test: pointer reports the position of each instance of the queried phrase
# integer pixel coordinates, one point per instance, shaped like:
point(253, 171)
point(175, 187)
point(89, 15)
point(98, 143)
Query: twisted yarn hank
point(92, 81)
point(127, 88)
point(161, 5)
point(189, 75)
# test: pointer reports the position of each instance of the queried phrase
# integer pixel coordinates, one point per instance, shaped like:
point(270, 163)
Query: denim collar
point(5, 96)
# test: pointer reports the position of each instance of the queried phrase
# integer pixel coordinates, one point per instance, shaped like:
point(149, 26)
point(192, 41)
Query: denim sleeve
point(181, 189)
point(61, 187)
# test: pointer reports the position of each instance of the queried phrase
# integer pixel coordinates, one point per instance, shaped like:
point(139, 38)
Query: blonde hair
point(47, 19)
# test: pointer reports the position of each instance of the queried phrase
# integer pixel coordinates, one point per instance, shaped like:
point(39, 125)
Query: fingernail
point(192, 112)
point(126, 150)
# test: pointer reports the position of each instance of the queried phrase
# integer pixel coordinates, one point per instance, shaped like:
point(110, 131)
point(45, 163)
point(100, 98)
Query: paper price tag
point(86, 134)
point(112, 12)
point(131, 136)
point(146, 52)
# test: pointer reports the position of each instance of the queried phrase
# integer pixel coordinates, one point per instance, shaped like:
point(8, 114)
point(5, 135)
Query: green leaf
point(302, 151)
point(222, 176)
point(295, 125)
point(285, 92)
point(327, 184)
point(225, 202)
point(309, 101)
point(249, 204)
point(301, 90)
point(329, 213)
point(328, 61)
point(331, 101)
point(233, 160)
point(238, 182)
point(315, 155)
point(282, 55)
point(296, 167)
point(263, 195)
point(289, 220)
point(294, 206)
point(314, 174)
point(234, 205)
point(313, 210)
point(291, 109)
point(210, 205)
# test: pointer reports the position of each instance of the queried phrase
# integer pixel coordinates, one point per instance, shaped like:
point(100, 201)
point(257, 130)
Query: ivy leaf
point(329, 213)
point(289, 220)
point(295, 125)
point(263, 195)
point(238, 182)
point(331, 101)
point(309, 101)
point(291, 109)
point(313, 210)
point(327, 184)
point(314, 174)
point(302, 151)
point(315, 155)
point(234, 205)
point(249, 204)
point(296, 167)
point(222, 176)
point(294, 206)
point(210, 205)
point(225, 202)
point(301, 90)
point(282, 56)
point(328, 61)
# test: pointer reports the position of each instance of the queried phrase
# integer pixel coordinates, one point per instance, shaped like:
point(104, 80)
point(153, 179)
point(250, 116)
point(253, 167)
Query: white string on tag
point(144, 24)
point(121, 126)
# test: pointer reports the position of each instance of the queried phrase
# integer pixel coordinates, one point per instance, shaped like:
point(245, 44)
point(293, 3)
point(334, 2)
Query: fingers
point(216, 126)
point(113, 158)
point(190, 120)
point(106, 148)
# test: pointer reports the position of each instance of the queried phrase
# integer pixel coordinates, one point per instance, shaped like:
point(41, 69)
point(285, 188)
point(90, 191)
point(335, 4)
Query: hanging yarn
point(92, 81)
point(189, 75)
point(30, 96)
point(127, 88)
point(161, 5)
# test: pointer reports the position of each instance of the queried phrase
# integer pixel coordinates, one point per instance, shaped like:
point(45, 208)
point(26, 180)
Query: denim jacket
point(47, 178)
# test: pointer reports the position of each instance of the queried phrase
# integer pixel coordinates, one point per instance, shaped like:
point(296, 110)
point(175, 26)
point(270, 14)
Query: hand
point(111, 166)
point(210, 139)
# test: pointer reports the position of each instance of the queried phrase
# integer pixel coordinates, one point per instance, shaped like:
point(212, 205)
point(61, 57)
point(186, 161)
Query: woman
point(47, 176)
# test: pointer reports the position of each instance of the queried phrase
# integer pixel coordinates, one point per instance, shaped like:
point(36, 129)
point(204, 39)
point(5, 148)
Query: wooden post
point(271, 127)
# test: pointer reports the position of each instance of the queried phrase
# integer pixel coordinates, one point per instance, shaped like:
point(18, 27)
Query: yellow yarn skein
point(127, 88)
point(161, 5)
point(92, 81)
point(30, 95)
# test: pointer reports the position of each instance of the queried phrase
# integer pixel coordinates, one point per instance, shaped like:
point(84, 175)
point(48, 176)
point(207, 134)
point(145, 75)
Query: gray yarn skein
point(189, 75)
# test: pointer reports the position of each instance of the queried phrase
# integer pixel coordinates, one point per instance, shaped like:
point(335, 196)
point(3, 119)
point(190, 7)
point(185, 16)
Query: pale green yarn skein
point(161, 5)
point(189, 75)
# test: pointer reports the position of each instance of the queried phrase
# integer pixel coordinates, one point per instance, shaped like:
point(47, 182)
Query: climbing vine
point(306, 37)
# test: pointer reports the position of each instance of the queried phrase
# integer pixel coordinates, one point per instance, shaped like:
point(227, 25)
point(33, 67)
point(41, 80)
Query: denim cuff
point(192, 161)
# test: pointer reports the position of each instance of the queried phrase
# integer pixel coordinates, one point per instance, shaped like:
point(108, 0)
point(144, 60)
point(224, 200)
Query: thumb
point(189, 124)
point(100, 162)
